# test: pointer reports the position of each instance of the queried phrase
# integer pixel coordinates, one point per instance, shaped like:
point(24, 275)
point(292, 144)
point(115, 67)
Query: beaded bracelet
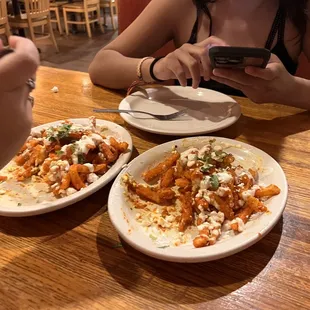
point(139, 68)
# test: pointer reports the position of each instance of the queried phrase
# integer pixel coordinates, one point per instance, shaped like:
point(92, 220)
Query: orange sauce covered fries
point(196, 195)
point(68, 157)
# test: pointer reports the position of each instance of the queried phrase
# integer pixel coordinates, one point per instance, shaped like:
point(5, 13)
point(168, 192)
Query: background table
point(73, 259)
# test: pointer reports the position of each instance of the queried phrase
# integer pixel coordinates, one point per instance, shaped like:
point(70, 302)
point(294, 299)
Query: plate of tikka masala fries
point(197, 199)
point(62, 163)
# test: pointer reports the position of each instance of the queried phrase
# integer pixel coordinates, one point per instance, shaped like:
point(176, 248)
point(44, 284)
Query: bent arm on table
point(115, 65)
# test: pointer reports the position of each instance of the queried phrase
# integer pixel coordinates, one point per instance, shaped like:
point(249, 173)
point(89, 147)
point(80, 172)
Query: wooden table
point(72, 258)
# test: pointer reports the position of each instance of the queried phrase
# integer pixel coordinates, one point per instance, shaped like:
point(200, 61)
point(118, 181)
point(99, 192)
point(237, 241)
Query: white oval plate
point(131, 231)
point(9, 207)
point(208, 110)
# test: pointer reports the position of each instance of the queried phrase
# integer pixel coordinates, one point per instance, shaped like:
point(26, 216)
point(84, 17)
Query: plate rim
point(202, 257)
point(129, 119)
point(51, 206)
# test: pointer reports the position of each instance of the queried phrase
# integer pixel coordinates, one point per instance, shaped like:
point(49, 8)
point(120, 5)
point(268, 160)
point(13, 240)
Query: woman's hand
point(272, 84)
point(188, 61)
point(15, 109)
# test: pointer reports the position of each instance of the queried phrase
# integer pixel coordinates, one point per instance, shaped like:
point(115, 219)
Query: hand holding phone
point(238, 57)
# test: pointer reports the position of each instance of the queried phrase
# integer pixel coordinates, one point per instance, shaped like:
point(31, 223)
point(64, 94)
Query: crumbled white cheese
point(170, 218)
point(70, 191)
point(204, 150)
point(221, 191)
point(212, 226)
point(92, 177)
point(241, 203)
point(192, 159)
point(217, 148)
point(82, 145)
point(55, 89)
point(162, 242)
point(224, 177)
point(90, 167)
point(240, 223)
point(54, 168)
point(205, 183)
point(184, 155)
point(250, 192)
point(96, 138)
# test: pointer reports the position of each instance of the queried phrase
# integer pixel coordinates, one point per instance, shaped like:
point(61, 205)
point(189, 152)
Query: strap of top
point(193, 37)
point(281, 30)
point(207, 11)
point(278, 26)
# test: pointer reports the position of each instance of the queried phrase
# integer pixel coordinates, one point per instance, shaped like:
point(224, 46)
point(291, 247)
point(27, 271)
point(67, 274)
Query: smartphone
point(238, 57)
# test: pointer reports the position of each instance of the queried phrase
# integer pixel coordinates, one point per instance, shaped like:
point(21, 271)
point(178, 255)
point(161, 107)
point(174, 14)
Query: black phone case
point(236, 57)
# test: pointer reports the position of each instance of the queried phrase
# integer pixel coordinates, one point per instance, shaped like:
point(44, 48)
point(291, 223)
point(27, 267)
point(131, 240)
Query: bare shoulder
point(160, 22)
point(173, 10)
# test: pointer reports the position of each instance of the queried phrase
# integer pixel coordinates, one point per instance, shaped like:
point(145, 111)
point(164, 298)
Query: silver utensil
point(157, 116)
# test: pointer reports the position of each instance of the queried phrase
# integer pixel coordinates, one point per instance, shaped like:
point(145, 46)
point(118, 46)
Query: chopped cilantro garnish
point(60, 133)
point(52, 139)
point(81, 159)
point(59, 153)
point(63, 131)
point(206, 167)
point(73, 148)
point(215, 183)
point(205, 157)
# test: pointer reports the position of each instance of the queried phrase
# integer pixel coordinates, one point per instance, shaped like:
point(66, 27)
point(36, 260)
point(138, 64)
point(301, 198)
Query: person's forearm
point(113, 70)
point(300, 97)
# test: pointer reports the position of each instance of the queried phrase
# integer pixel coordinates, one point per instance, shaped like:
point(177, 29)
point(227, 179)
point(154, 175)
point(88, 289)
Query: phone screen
point(238, 62)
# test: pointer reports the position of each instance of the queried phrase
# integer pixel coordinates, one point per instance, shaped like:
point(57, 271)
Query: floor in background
point(76, 51)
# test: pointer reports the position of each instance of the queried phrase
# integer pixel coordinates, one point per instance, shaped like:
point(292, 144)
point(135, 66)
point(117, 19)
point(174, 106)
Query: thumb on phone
point(212, 41)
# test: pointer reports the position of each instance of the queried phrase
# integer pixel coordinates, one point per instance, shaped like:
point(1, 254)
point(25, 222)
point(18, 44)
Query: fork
point(157, 116)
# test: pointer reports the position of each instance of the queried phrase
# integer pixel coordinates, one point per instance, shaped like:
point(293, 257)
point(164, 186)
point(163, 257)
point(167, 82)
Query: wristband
point(152, 69)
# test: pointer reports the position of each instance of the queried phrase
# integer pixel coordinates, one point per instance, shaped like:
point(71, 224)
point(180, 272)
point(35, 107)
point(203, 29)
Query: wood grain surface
point(73, 258)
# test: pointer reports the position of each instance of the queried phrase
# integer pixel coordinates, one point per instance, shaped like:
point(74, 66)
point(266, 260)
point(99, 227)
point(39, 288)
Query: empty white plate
point(207, 110)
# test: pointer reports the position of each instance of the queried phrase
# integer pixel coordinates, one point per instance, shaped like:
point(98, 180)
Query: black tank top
point(278, 27)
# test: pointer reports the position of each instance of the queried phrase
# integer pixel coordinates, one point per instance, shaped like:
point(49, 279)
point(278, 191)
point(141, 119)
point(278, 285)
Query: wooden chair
point(4, 23)
point(37, 14)
point(111, 4)
point(55, 7)
point(86, 7)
